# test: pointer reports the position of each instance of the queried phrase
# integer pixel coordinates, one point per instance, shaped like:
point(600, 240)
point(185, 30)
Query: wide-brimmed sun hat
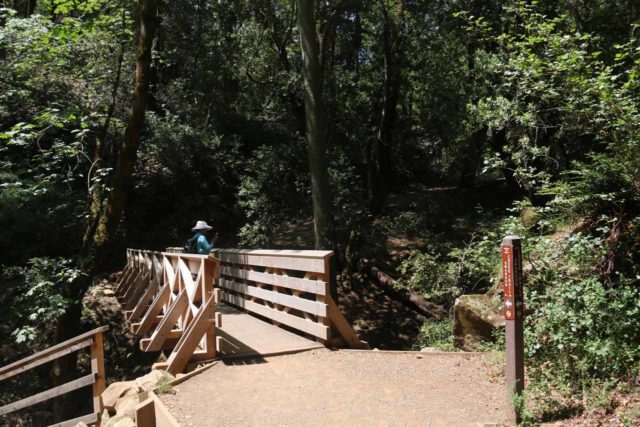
point(201, 225)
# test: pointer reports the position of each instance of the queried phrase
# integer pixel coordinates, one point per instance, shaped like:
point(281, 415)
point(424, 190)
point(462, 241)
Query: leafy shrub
point(425, 273)
point(580, 332)
point(409, 222)
point(437, 334)
point(34, 295)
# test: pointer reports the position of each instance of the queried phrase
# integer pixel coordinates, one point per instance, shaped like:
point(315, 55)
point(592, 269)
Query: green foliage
point(269, 206)
point(580, 332)
point(436, 334)
point(34, 294)
point(426, 274)
point(582, 329)
point(409, 222)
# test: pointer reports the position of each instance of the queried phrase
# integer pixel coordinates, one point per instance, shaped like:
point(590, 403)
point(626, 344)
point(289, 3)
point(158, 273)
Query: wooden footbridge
point(232, 303)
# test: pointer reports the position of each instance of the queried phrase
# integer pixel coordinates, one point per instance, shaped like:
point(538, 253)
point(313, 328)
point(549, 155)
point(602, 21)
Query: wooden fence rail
point(170, 300)
point(288, 287)
point(91, 339)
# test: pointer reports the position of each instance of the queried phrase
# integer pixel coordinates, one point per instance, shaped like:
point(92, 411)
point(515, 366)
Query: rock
point(475, 319)
point(127, 406)
point(125, 422)
point(529, 216)
point(105, 416)
point(150, 381)
point(108, 292)
point(115, 391)
point(429, 350)
point(119, 421)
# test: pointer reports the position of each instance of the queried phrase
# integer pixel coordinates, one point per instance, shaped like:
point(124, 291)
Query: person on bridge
point(202, 245)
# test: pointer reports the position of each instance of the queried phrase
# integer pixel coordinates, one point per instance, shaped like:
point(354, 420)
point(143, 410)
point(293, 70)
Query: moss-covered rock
point(476, 317)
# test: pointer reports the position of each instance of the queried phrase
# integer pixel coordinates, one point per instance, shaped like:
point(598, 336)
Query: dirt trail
point(339, 388)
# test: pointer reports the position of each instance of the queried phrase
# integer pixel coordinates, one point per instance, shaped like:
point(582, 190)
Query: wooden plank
point(137, 292)
point(163, 416)
point(298, 303)
point(344, 327)
point(174, 334)
point(201, 324)
point(123, 278)
point(288, 253)
point(167, 323)
point(80, 338)
point(135, 283)
point(87, 419)
point(136, 273)
point(48, 394)
point(148, 320)
point(97, 368)
point(183, 377)
point(146, 413)
point(305, 285)
point(46, 359)
point(315, 265)
point(312, 328)
point(144, 301)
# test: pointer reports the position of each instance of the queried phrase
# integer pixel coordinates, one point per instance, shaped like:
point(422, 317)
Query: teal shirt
point(202, 244)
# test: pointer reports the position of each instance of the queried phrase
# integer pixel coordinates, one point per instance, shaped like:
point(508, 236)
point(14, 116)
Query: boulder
point(115, 391)
point(476, 317)
point(119, 421)
point(127, 406)
point(125, 422)
point(150, 381)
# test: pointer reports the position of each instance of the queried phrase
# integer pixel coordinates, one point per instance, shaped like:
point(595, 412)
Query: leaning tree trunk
point(314, 117)
point(106, 216)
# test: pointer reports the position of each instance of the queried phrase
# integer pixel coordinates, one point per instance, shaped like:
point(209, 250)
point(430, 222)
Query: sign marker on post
point(513, 314)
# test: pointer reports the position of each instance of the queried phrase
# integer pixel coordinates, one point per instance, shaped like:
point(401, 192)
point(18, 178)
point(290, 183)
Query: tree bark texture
point(380, 155)
point(103, 226)
point(314, 118)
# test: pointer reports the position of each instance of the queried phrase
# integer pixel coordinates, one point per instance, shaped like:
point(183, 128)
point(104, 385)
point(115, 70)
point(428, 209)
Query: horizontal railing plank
point(87, 419)
point(317, 287)
point(315, 265)
point(307, 326)
point(45, 359)
point(49, 394)
point(302, 304)
point(50, 350)
point(288, 253)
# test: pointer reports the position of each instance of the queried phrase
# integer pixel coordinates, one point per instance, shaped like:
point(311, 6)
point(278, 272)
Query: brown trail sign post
point(513, 314)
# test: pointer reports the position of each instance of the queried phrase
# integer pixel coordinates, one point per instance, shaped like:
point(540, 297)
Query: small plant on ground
point(163, 386)
point(436, 334)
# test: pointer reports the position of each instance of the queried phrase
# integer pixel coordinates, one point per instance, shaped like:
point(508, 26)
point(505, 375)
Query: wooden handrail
point(49, 394)
point(49, 354)
point(91, 339)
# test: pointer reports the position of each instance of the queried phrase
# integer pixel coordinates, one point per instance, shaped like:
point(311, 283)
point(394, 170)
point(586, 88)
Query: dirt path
point(325, 388)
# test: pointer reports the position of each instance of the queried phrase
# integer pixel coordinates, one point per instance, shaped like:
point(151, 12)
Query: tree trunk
point(379, 156)
point(314, 118)
point(103, 226)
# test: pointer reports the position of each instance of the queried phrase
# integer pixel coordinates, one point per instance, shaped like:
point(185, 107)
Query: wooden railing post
point(97, 368)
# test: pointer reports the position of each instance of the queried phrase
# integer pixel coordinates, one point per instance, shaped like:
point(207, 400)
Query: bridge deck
point(244, 335)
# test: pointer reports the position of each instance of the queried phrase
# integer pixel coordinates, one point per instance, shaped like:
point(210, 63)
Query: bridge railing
point(287, 287)
point(95, 379)
point(170, 300)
